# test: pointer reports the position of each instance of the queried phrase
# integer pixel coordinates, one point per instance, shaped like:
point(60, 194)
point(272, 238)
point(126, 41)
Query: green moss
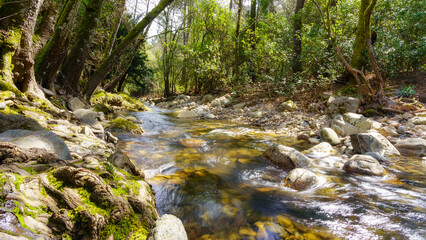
point(124, 100)
point(4, 86)
point(123, 125)
point(349, 90)
point(91, 206)
point(56, 183)
point(19, 180)
point(128, 228)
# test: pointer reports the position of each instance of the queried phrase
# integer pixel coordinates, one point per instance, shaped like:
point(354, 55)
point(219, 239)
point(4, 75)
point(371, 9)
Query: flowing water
point(224, 188)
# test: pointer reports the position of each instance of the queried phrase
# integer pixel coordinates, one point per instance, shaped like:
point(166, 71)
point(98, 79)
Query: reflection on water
point(227, 190)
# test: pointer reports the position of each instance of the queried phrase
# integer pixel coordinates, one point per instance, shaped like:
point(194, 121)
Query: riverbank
point(62, 176)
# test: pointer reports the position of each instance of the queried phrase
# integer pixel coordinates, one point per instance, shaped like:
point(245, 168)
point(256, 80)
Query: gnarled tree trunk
point(44, 29)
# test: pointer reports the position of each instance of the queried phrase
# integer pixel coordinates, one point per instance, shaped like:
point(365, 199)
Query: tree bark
point(46, 25)
point(74, 63)
point(121, 5)
point(297, 37)
point(49, 61)
point(252, 39)
point(108, 63)
point(358, 60)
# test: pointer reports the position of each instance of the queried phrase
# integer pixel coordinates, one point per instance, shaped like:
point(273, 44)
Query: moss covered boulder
point(123, 125)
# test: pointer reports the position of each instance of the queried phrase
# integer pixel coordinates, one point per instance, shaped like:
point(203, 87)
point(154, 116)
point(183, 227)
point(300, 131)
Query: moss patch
point(123, 125)
point(123, 100)
point(4, 86)
point(128, 228)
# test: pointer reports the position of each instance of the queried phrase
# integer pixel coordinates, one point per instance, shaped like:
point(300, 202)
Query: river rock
point(2, 105)
point(412, 146)
point(221, 101)
point(330, 136)
point(256, 114)
point(89, 117)
point(122, 161)
point(187, 114)
point(287, 157)
point(418, 120)
point(17, 121)
point(207, 98)
point(364, 164)
point(192, 143)
point(168, 227)
point(75, 103)
point(300, 179)
point(288, 106)
point(37, 139)
point(321, 150)
point(239, 106)
point(342, 104)
point(352, 123)
point(373, 142)
point(388, 131)
point(377, 156)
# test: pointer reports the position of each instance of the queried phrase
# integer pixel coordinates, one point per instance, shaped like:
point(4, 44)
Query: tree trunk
point(46, 25)
point(237, 43)
point(76, 59)
point(297, 37)
point(50, 59)
point(252, 39)
point(359, 60)
point(22, 60)
point(108, 63)
point(121, 5)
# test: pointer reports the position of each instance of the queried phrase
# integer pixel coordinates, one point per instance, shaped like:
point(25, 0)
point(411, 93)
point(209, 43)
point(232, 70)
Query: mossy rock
point(102, 108)
point(121, 99)
point(4, 86)
point(7, 94)
point(123, 125)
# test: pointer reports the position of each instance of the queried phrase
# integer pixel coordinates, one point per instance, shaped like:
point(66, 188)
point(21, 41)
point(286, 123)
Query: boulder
point(377, 156)
point(287, 157)
point(122, 161)
point(412, 147)
point(342, 104)
point(192, 143)
point(373, 142)
point(364, 164)
point(89, 117)
point(418, 120)
point(75, 103)
point(37, 139)
point(168, 227)
point(300, 179)
point(123, 125)
point(330, 136)
point(288, 106)
point(2, 105)
point(17, 121)
point(187, 114)
point(352, 123)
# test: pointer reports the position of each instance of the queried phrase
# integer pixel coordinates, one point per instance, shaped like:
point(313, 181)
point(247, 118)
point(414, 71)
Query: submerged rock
point(300, 179)
point(16, 121)
point(192, 143)
point(287, 157)
point(412, 147)
point(330, 136)
point(364, 164)
point(373, 142)
point(37, 139)
point(168, 227)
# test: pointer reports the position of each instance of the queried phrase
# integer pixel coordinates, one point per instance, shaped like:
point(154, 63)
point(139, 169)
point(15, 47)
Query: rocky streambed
point(62, 176)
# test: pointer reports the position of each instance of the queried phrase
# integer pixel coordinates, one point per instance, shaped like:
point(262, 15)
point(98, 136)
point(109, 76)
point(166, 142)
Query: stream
point(226, 189)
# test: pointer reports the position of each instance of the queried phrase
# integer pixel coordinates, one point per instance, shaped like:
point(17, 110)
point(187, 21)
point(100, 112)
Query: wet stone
point(364, 164)
point(300, 179)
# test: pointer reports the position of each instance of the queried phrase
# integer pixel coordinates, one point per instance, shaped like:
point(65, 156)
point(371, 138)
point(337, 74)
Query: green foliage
point(407, 91)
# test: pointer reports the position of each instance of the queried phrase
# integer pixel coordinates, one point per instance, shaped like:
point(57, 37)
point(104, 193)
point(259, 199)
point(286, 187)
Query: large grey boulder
point(17, 121)
point(287, 157)
point(364, 164)
point(37, 139)
point(342, 104)
point(373, 142)
point(412, 146)
point(168, 227)
point(300, 179)
point(75, 103)
point(330, 136)
point(89, 117)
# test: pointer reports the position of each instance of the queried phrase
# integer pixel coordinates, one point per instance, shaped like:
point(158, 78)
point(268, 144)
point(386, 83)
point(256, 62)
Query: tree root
point(10, 153)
